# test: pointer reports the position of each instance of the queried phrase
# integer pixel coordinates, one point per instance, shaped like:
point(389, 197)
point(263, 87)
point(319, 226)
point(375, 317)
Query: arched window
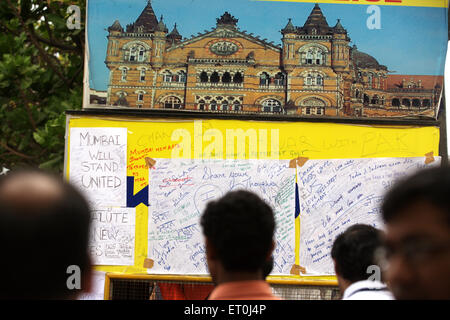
point(313, 56)
point(313, 79)
point(366, 98)
point(142, 75)
point(215, 77)
point(167, 76)
point(135, 53)
point(236, 106)
point(319, 80)
point(279, 79)
point(396, 102)
point(225, 105)
point(172, 103)
point(264, 79)
point(319, 57)
point(309, 57)
point(201, 105)
point(238, 77)
point(406, 103)
point(426, 103)
point(141, 55)
point(204, 77)
point(271, 105)
point(213, 105)
point(374, 100)
point(180, 77)
point(140, 96)
point(416, 103)
point(226, 78)
point(313, 106)
point(370, 80)
point(124, 74)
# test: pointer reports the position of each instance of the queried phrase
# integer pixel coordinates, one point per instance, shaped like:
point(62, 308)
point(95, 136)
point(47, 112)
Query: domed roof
point(364, 60)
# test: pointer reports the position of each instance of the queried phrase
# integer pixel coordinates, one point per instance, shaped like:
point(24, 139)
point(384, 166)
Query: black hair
point(353, 251)
point(240, 226)
point(430, 185)
point(39, 243)
point(268, 267)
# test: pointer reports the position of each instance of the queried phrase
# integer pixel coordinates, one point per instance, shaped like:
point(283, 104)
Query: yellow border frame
point(422, 139)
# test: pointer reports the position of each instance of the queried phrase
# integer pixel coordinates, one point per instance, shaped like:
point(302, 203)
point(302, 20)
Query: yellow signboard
point(407, 3)
point(236, 139)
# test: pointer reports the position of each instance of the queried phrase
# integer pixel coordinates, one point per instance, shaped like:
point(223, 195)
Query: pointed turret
point(316, 22)
point(146, 22)
point(341, 48)
point(338, 28)
point(174, 35)
point(159, 44)
point(289, 28)
point(161, 26)
point(115, 27)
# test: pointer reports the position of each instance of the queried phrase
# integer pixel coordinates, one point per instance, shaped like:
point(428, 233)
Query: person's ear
point(269, 253)
point(211, 253)
point(335, 267)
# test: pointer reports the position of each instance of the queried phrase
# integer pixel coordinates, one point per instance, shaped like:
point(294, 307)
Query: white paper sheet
point(112, 236)
point(98, 164)
point(335, 194)
point(180, 190)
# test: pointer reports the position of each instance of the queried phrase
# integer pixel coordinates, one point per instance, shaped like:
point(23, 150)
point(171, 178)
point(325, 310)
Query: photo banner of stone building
point(297, 58)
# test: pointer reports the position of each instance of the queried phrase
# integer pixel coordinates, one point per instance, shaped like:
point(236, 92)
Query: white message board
point(180, 190)
point(98, 164)
point(337, 193)
point(112, 238)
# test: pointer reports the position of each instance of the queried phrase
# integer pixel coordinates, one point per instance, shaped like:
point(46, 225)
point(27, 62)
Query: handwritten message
point(335, 194)
point(112, 236)
point(180, 190)
point(98, 164)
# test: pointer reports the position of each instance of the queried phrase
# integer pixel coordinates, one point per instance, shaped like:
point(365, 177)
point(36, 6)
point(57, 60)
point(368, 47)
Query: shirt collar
point(241, 289)
point(364, 284)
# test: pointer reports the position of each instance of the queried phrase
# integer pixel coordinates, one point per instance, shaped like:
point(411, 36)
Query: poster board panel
point(194, 138)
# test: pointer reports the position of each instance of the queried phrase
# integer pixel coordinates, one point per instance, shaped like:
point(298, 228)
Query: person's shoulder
point(367, 290)
point(371, 295)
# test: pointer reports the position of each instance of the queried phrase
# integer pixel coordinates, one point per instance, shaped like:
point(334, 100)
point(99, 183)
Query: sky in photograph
point(412, 40)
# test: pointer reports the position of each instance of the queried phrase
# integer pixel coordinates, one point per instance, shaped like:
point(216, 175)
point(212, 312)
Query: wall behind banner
point(236, 139)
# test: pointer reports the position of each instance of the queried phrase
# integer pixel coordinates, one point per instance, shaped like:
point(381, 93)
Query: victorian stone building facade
point(314, 72)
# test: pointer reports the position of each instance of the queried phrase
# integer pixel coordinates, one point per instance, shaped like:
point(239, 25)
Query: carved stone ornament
point(224, 48)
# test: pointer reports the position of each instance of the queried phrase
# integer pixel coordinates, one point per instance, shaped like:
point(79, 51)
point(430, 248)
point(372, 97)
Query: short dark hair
point(39, 243)
point(431, 185)
point(240, 226)
point(353, 251)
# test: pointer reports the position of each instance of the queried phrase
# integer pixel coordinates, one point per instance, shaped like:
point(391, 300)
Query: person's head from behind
point(416, 211)
point(353, 252)
point(44, 229)
point(239, 230)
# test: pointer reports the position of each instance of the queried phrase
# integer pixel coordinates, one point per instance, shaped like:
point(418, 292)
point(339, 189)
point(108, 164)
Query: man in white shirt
point(353, 254)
